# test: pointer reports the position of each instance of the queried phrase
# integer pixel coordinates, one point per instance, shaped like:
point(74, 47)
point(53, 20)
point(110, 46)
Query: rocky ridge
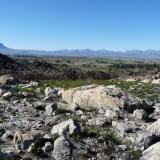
point(90, 122)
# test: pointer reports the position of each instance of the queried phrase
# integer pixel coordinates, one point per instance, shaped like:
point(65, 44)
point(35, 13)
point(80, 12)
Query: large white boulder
point(64, 126)
point(154, 128)
point(151, 153)
point(99, 96)
point(62, 149)
point(67, 149)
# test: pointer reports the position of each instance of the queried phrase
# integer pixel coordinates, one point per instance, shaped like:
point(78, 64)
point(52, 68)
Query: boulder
point(151, 153)
point(8, 79)
point(119, 128)
point(33, 84)
point(140, 114)
point(157, 105)
point(79, 113)
point(110, 114)
point(8, 155)
point(2, 131)
point(1, 91)
point(8, 135)
point(24, 139)
point(154, 128)
point(7, 95)
point(26, 94)
point(130, 80)
point(62, 105)
point(127, 130)
point(47, 147)
point(66, 149)
point(29, 85)
point(96, 121)
point(156, 114)
point(68, 125)
point(49, 92)
point(155, 81)
point(60, 92)
point(38, 90)
point(148, 105)
point(145, 140)
point(39, 105)
point(62, 149)
point(99, 96)
point(145, 81)
point(50, 108)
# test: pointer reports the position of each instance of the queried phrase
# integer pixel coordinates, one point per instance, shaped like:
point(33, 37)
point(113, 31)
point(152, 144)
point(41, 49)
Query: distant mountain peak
point(2, 46)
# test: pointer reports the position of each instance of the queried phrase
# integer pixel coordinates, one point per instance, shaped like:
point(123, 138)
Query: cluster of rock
point(89, 122)
point(151, 78)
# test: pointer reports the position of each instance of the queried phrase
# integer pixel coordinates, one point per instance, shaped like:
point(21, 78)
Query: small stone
point(33, 84)
point(7, 136)
point(97, 121)
point(60, 92)
point(1, 92)
point(70, 125)
point(48, 147)
point(49, 92)
point(39, 105)
point(50, 108)
point(101, 111)
point(110, 115)
point(62, 105)
point(30, 148)
point(147, 105)
point(47, 136)
point(7, 95)
point(79, 113)
point(83, 117)
point(16, 101)
point(140, 114)
point(2, 131)
point(68, 114)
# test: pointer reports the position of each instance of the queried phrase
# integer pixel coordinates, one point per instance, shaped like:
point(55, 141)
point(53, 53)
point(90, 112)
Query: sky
point(80, 24)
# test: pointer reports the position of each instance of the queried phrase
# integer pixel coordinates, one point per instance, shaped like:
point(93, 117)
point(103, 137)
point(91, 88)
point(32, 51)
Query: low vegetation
point(139, 89)
point(64, 68)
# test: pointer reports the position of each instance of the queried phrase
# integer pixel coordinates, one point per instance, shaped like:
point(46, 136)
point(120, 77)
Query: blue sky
point(80, 24)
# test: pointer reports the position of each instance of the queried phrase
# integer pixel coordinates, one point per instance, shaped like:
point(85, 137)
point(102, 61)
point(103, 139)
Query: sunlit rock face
point(96, 96)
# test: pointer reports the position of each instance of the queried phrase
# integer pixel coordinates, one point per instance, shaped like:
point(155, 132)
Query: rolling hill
point(131, 54)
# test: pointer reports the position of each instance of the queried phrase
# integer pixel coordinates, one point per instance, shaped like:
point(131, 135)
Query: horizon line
point(74, 49)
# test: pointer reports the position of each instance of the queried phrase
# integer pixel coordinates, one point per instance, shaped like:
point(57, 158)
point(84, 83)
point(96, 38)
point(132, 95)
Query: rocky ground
point(91, 122)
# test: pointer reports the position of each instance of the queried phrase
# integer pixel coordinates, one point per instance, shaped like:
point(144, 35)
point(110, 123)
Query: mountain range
point(131, 54)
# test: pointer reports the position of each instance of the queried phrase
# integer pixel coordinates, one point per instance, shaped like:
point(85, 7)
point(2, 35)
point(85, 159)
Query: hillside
point(7, 64)
point(131, 54)
point(40, 69)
